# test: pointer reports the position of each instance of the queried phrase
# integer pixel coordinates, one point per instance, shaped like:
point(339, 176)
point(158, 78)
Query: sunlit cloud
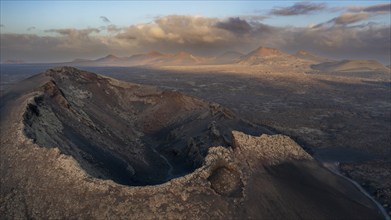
point(356, 14)
point(381, 8)
point(349, 18)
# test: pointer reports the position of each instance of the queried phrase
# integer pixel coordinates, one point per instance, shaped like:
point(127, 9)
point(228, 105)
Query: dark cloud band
point(104, 19)
point(300, 8)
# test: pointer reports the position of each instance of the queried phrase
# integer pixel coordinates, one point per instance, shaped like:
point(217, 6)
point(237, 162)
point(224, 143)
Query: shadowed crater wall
point(129, 133)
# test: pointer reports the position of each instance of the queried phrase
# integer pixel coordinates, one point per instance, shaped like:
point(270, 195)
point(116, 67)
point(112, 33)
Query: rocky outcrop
point(269, 149)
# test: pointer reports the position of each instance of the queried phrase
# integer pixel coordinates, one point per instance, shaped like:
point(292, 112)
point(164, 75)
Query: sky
point(51, 31)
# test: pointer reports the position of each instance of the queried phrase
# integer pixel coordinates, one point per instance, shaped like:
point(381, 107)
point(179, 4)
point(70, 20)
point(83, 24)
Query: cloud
point(203, 36)
point(253, 18)
point(111, 28)
point(178, 32)
point(235, 25)
point(82, 42)
point(2, 25)
point(31, 28)
point(104, 19)
point(62, 47)
point(339, 42)
point(349, 18)
point(300, 8)
point(74, 33)
point(125, 36)
point(381, 8)
point(356, 14)
point(27, 46)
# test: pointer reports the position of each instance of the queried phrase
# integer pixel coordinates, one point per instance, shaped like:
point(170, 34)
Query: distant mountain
point(228, 57)
point(146, 58)
point(13, 62)
point(265, 52)
point(305, 55)
point(265, 55)
point(183, 58)
point(153, 58)
point(109, 58)
point(78, 60)
point(351, 66)
point(156, 58)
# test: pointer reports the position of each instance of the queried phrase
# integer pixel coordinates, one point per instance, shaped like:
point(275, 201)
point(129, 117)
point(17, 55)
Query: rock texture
point(49, 173)
point(270, 149)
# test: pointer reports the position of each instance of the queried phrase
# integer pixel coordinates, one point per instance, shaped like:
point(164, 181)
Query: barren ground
point(344, 117)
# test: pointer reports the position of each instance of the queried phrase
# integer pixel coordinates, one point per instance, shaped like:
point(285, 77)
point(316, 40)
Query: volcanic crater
point(129, 133)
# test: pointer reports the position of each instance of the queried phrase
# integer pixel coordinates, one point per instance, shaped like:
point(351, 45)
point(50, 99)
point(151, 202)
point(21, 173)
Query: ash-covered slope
point(66, 134)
